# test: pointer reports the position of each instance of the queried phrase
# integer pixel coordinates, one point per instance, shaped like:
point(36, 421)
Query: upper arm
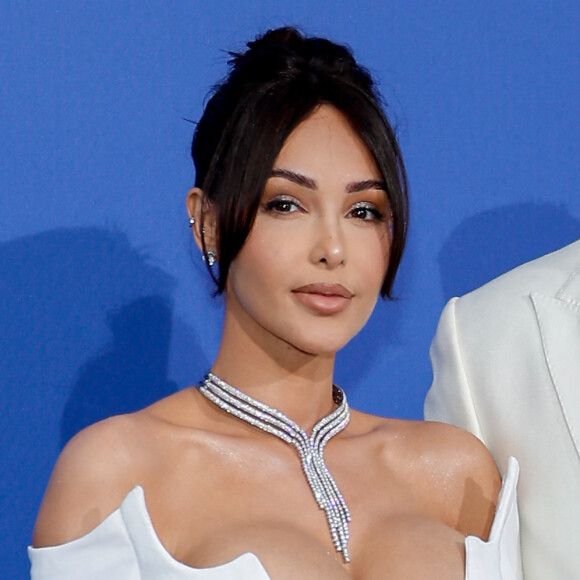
point(91, 477)
point(482, 483)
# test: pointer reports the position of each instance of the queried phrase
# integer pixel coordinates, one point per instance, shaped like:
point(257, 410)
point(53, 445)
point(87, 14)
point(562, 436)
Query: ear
point(204, 227)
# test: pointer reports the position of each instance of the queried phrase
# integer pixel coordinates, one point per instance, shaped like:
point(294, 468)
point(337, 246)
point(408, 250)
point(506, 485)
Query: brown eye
point(366, 212)
point(282, 205)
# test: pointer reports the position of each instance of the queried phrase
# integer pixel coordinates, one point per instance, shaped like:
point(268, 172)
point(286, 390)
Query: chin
point(322, 347)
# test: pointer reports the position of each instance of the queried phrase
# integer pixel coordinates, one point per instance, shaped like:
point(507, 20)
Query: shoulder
point(451, 471)
point(444, 451)
point(464, 477)
point(481, 323)
point(89, 481)
point(98, 468)
point(459, 453)
point(545, 274)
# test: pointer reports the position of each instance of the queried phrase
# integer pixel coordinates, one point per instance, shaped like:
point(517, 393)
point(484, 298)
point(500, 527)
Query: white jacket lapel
point(559, 321)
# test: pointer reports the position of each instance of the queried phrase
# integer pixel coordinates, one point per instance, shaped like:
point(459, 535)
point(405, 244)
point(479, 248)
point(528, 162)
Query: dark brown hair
point(271, 87)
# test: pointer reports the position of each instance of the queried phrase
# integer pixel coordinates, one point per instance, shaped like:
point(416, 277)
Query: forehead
point(326, 142)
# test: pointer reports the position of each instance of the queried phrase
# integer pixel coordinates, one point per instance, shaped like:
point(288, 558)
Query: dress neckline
point(135, 504)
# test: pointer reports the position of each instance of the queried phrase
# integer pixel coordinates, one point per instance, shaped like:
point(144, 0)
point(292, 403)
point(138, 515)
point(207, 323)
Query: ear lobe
point(204, 222)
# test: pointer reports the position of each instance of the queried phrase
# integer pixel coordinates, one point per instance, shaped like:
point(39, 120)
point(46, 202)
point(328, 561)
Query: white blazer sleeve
point(449, 398)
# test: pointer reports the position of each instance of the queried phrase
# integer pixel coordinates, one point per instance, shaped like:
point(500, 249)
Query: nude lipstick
point(324, 298)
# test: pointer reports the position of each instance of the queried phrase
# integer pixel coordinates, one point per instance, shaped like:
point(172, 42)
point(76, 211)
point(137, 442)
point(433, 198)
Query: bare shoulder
point(88, 480)
point(447, 468)
point(457, 453)
point(439, 447)
point(463, 476)
point(96, 470)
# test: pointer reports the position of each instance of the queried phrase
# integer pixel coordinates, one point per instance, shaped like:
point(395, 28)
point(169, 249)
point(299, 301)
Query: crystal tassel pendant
point(310, 448)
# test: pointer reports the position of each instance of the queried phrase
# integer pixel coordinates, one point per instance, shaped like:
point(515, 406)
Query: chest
point(270, 511)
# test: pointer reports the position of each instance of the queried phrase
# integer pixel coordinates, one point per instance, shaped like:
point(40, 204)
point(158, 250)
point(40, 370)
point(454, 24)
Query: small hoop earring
point(210, 257)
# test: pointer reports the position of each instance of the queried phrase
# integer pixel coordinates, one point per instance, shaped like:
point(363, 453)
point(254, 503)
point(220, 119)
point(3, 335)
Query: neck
point(297, 383)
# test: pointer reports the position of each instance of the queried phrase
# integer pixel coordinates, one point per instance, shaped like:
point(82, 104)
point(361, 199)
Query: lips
point(324, 298)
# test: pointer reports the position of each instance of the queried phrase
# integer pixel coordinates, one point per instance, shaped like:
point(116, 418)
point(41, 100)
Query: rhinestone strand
point(310, 448)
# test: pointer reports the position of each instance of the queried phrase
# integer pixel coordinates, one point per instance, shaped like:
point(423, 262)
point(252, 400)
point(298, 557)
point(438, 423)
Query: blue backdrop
point(104, 303)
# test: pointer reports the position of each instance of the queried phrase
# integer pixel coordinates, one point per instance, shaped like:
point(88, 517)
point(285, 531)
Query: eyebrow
point(365, 185)
point(308, 182)
point(294, 177)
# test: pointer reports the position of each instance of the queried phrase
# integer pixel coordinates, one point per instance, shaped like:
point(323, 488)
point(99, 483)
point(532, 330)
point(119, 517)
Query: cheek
point(257, 268)
point(270, 250)
point(373, 260)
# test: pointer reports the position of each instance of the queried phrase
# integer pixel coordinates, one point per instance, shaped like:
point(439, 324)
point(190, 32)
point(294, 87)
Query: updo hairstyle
point(271, 88)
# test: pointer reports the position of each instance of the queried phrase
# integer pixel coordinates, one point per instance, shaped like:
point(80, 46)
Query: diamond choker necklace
point(310, 449)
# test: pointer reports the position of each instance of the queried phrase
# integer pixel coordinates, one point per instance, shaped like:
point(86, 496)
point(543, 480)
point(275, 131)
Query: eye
point(366, 211)
point(282, 205)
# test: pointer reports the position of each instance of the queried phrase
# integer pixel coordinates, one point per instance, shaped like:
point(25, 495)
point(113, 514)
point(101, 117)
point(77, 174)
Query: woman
point(300, 197)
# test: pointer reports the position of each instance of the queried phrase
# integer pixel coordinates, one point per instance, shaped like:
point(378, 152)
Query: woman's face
point(312, 267)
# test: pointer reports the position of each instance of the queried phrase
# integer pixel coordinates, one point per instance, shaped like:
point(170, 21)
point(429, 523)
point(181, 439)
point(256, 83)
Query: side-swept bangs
point(263, 115)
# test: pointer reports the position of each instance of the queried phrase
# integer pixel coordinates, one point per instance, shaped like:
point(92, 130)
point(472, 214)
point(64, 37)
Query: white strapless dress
point(125, 546)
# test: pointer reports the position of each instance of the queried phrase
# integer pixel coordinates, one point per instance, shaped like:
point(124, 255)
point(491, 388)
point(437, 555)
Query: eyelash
point(287, 205)
point(275, 205)
point(376, 215)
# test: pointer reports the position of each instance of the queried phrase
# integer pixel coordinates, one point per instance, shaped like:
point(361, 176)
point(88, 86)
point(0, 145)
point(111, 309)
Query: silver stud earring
point(210, 257)
point(191, 221)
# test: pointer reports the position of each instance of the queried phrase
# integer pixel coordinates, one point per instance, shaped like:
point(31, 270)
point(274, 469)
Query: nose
point(329, 245)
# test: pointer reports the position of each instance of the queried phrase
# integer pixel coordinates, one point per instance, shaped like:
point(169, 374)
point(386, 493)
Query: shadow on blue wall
point(492, 242)
point(130, 374)
point(70, 296)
